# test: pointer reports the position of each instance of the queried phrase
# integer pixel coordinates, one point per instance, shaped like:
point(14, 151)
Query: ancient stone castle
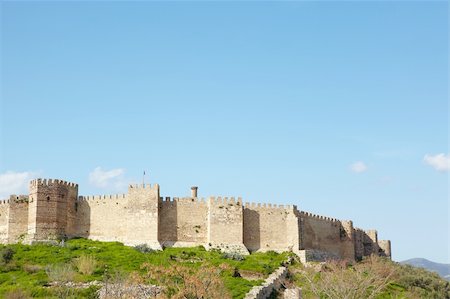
point(53, 210)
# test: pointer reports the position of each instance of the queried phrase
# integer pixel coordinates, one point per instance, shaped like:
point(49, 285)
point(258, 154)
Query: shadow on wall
point(252, 234)
point(83, 216)
point(168, 223)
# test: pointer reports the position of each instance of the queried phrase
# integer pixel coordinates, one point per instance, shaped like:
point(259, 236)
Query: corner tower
point(50, 206)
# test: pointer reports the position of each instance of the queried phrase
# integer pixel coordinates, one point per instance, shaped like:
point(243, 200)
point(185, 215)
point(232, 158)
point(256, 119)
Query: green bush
point(233, 256)
point(86, 264)
point(60, 273)
point(6, 255)
point(144, 248)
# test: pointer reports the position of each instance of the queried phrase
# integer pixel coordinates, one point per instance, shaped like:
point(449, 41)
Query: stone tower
point(51, 211)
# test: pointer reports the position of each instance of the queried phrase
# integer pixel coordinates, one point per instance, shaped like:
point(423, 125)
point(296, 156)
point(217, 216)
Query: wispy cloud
point(15, 183)
point(113, 178)
point(358, 167)
point(440, 162)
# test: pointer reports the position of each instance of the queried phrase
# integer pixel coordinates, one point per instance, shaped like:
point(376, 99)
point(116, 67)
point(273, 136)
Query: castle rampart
point(183, 221)
point(53, 210)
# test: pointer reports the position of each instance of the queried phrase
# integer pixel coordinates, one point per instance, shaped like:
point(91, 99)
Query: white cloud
point(440, 162)
point(358, 167)
point(15, 183)
point(107, 178)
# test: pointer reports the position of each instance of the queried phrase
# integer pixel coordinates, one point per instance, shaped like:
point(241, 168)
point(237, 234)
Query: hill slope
point(441, 269)
point(77, 266)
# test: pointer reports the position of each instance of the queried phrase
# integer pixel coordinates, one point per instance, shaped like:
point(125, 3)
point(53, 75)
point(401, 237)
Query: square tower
point(50, 206)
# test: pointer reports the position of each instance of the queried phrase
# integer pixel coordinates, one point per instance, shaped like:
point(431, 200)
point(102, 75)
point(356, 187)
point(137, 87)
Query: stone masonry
point(53, 210)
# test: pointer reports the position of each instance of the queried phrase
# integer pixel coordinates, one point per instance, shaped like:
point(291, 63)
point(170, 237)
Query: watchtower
point(51, 209)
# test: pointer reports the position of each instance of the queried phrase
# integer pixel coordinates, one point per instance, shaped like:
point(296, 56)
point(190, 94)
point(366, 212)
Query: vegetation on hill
point(52, 271)
point(78, 268)
point(441, 269)
point(374, 277)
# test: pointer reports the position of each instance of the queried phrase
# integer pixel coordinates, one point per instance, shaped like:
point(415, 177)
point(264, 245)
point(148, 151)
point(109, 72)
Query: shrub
point(144, 248)
point(422, 283)
point(186, 282)
point(31, 268)
point(6, 255)
point(86, 264)
point(60, 273)
point(16, 294)
point(337, 279)
point(233, 256)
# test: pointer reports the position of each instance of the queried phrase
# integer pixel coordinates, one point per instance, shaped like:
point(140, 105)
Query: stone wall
point(268, 227)
point(366, 243)
point(18, 218)
point(225, 224)
point(314, 255)
point(141, 218)
point(54, 210)
point(131, 219)
point(321, 233)
point(273, 282)
point(183, 221)
point(385, 246)
point(102, 217)
point(4, 218)
point(48, 208)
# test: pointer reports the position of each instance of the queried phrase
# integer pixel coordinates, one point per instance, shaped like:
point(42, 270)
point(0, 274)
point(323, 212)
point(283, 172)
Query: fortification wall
point(347, 240)
point(18, 218)
point(53, 210)
point(131, 219)
point(366, 243)
point(270, 227)
point(225, 224)
point(101, 217)
point(47, 212)
point(359, 246)
point(142, 215)
point(385, 246)
point(183, 221)
point(4, 217)
point(321, 233)
point(72, 206)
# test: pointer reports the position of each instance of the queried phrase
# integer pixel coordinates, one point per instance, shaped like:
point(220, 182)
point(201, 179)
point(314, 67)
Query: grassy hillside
point(31, 269)
point(52, 271)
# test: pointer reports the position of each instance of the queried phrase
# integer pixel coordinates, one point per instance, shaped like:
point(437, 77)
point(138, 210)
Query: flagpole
point(143, 179)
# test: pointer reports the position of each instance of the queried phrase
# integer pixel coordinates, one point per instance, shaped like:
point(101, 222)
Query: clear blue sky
point(338, 107)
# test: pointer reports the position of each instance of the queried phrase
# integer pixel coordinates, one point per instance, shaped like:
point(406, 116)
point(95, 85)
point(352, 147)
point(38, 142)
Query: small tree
point(6, 255)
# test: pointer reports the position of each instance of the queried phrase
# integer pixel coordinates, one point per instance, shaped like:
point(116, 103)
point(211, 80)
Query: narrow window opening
point(48, 198)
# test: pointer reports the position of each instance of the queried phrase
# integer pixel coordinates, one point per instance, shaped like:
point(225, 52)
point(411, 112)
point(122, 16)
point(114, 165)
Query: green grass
point(115, 257)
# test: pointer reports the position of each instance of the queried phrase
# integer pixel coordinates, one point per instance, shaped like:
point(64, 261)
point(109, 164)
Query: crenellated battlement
point(319, 217)
point(212, 200)
point(169, 199)
point(101, 197)
point(53, 209)
point(51, 182)
point(254, 205)
point(143, 186)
